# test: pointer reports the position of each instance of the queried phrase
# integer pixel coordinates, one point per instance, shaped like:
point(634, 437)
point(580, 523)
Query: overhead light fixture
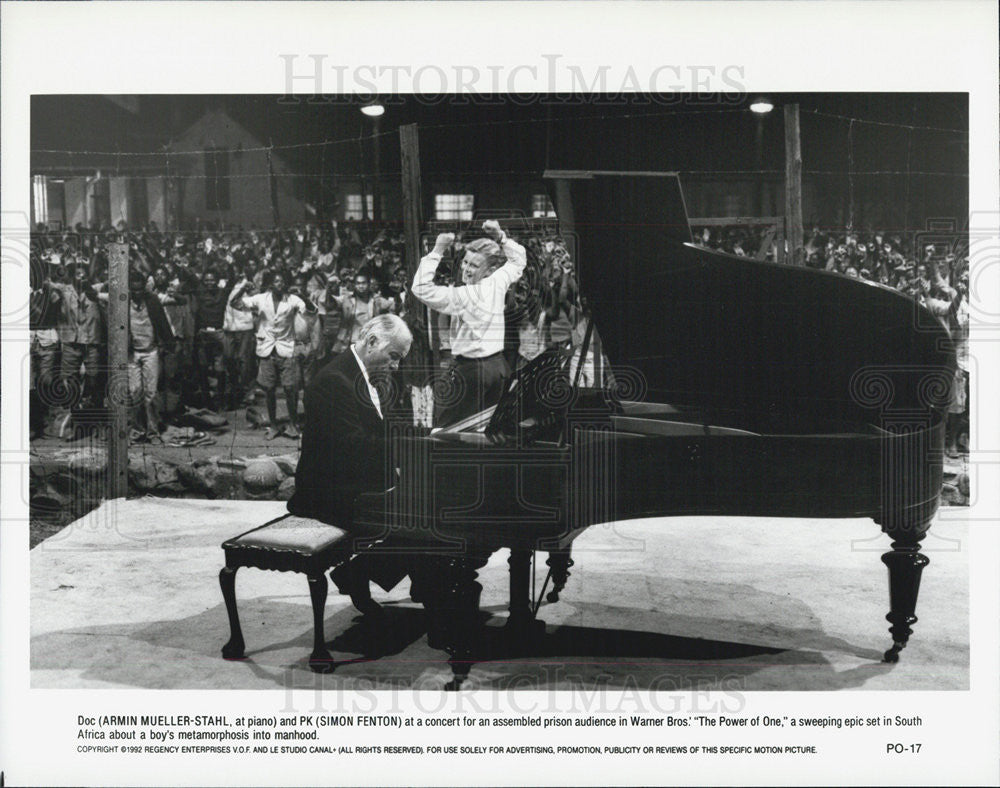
point(761, 106)
point(373, 110)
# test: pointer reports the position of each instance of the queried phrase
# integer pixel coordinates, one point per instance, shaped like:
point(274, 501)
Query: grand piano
point(739, 387)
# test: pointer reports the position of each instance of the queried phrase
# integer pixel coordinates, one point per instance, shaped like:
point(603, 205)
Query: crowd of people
point(218, 315)
point(936, 275)
point(889, 259)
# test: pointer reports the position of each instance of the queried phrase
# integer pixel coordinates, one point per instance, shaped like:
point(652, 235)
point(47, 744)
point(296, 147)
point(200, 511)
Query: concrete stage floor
point(128, 597)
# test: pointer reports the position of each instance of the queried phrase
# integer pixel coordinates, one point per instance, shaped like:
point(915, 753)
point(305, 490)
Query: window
point(216, 180)
point(734, 205)
point(453, 206)
point(541, 206)
point(100, 202)
point(39, 188)
point(138, 202)
point(353, 209)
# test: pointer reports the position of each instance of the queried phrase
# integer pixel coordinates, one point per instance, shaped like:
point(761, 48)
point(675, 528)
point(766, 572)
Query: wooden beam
point(118, 328)
point(736, 221)
point(793, 184)
point(585, 174)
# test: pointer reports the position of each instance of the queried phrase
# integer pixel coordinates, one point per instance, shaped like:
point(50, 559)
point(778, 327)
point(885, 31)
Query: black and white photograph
point(617, 406)
point(622, 323)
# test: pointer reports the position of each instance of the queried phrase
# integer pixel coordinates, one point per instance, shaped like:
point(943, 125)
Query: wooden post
point(850, 177)
point(793, 184)
point(760, 207)
point(272, 187)
point(413, 221)
point(118, 328)
point(377, 185)
point(409, 144)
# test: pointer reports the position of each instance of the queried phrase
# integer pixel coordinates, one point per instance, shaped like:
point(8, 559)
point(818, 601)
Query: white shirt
point(276, 330)
point(478, 330)
point(371, 389)
point(236, 319)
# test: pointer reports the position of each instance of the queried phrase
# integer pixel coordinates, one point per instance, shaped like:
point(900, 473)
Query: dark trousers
point(45, 379)
point(381, 553)
point(468, 386)
point(239, 355)
point(208, 356)
point(73, 355)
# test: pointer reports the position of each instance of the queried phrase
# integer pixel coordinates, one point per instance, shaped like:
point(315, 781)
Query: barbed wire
point(909, 126)
point(481, 124)
point(366, 135)
point(624, 116)
point(523, 173)
point(200, 152)
point(203, 176)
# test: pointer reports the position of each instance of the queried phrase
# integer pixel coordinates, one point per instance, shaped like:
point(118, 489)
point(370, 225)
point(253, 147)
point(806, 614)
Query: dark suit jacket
point(343, 444)
point(162, 332)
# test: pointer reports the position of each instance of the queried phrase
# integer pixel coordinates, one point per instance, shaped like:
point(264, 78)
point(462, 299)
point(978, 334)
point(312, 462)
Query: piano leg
point(521, 623)
point(520, 579)
point(559, 563)
point(452, 604)
point(905, 563)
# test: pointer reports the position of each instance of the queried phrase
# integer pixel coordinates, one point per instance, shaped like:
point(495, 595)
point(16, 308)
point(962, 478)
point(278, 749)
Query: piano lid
point(744, 341)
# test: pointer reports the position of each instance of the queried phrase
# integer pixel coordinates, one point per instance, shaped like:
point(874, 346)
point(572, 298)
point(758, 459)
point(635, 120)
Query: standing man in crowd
point(275, 310)
point(80, 326)
point(149, 333)
point(308, 331)
point(238, 349)
point(211, 314)
point(561, 305)
point(356, 309)
point(490, 266)
point(175, 363)
point(44, 319)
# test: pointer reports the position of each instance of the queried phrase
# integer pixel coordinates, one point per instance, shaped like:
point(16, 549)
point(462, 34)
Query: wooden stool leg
point(320, 660)
point(235, 648)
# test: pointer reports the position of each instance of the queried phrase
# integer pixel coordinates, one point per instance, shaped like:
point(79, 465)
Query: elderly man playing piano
point(344, 451)
point(490, 266)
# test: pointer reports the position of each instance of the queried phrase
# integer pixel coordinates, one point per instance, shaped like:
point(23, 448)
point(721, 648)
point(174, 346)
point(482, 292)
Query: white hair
point(386, 328)
point(490, 252)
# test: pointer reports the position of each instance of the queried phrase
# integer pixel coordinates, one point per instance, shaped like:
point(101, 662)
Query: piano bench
point(287, 544)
